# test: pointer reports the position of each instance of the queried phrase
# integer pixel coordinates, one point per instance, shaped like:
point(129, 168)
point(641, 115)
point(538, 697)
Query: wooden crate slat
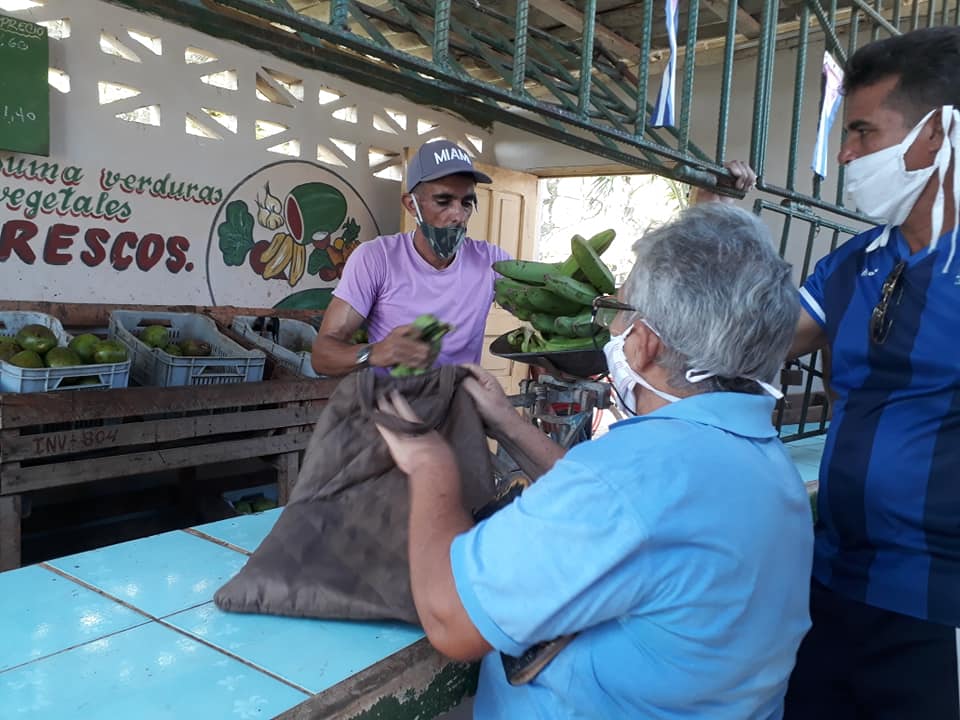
point(97, 315)
point(56, 407)
point(26, 479)
point(47, 446)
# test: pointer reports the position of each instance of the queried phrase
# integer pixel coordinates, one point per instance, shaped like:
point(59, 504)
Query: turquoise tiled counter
point(131, 631)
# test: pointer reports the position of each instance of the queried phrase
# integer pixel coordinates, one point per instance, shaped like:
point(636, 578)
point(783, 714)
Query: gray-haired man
point(436, 269)
point(678, 545)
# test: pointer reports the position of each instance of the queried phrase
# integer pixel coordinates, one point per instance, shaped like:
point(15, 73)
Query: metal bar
point(897, 9)
point(760, 90)
point(520, 47)
point(877, 17)
point(828, 31)
point(461, 92)
point(689, 68)
point(586, 56)
point(771, 50)
point(802, 199)
point(875, 30)
point(915, 15)
point(441, 34)
point(801, 211)
point(798, 85)
point(640, 122)
point(726, 81)
point(785, 234)
point(338, 13)
point(931, 5)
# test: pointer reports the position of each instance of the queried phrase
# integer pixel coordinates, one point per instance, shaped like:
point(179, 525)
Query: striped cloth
point(663, 111)
point(829, 104)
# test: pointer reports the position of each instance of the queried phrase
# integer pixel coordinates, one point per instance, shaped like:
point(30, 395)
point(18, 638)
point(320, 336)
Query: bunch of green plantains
point(431, 331)
point(556, 298)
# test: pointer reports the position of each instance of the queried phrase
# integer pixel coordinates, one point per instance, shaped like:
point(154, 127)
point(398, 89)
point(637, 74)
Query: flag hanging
point(830, 98)
point(663, 111)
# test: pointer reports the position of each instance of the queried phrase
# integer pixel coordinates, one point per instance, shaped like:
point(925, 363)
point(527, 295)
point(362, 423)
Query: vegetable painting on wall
point(292, 224)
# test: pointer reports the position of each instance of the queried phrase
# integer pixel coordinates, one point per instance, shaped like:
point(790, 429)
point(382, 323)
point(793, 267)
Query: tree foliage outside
point(630, 204)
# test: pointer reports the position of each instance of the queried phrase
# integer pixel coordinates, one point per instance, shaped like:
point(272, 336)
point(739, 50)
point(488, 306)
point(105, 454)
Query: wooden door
point(506, 216)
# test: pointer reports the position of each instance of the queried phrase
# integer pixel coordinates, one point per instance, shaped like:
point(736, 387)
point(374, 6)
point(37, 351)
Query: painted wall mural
point(188, 170)
point(291, 225)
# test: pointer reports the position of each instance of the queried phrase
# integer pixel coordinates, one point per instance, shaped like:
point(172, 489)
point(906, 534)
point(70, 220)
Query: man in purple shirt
point(392, 279)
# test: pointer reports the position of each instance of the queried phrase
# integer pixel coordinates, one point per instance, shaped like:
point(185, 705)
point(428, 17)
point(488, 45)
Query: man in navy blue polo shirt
point(885, 597)
point(677, 546)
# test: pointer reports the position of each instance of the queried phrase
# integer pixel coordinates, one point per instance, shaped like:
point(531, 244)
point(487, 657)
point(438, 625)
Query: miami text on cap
point(438, 159)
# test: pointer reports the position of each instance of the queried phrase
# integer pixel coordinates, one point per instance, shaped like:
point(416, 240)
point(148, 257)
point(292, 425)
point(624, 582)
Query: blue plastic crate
point(15, 379)
point(227, 363)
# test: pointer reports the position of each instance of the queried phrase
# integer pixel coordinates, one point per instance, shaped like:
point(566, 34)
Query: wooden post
point(288, 467)
point(9, 532)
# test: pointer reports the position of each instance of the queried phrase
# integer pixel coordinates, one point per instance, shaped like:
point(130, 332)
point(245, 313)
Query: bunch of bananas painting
point(283, 253)
point(555, 299)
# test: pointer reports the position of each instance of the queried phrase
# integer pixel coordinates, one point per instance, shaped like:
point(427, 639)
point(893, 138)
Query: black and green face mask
point(444, 241)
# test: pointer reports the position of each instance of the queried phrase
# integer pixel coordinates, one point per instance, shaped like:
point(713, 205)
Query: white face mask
point(880, 185)
point(625, 378)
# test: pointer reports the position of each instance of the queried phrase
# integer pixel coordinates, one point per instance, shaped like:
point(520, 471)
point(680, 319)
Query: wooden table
point(50, 440)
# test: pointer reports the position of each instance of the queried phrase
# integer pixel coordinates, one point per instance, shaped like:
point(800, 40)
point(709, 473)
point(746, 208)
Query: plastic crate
point(227, 363)
point(15, 379)
point(288, 333)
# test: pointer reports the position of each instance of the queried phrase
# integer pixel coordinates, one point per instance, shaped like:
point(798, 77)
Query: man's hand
point(744, 178)
point(488, 395)
point(413, 452)
point(402, 347)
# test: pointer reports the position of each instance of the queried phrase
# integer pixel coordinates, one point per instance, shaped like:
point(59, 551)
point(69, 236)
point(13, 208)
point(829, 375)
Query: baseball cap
point(438, 159)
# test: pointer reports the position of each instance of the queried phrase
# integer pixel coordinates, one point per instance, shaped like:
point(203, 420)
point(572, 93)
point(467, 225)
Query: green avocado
point(8, 350)
point(155, 336)
point(83, 345)
point(109, 351)
point(37, 338)
point(27, 359)
point(61, 357)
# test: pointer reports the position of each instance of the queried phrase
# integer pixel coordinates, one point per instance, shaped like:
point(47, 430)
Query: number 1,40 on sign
point(15, 114)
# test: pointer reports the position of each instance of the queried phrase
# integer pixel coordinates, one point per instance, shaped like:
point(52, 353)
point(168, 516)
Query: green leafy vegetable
point(350, 230)
point(318, 260)
point(236, 233)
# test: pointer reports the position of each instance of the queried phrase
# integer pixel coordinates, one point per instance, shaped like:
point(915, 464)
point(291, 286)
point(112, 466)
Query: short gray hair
point(719, 296)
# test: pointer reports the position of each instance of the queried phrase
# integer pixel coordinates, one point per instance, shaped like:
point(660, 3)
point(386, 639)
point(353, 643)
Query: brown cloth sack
point(339, 548)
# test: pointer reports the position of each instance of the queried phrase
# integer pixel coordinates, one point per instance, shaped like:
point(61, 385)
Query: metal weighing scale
point(562, 401)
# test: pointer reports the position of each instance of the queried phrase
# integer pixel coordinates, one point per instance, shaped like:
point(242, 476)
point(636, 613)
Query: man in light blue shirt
point(677, 546)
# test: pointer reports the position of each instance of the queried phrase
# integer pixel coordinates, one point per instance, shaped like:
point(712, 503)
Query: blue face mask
point(444, 241)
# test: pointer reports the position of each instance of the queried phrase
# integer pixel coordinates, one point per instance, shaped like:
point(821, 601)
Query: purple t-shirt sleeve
point(362, 277)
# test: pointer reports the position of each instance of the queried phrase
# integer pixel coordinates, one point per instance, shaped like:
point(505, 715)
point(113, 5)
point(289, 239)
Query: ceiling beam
point(573, 18)
point(747, 25)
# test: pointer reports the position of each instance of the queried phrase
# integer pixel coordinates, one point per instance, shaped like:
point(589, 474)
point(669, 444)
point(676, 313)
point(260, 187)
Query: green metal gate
point(580, 73)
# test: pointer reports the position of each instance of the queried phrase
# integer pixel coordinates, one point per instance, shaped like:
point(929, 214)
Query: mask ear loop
point(416, 206)
point(954, 139)
point(942, 161)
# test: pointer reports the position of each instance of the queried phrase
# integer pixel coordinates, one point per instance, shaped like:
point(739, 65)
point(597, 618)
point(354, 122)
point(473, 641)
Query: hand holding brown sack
point(488, 396)
point(412, 452)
